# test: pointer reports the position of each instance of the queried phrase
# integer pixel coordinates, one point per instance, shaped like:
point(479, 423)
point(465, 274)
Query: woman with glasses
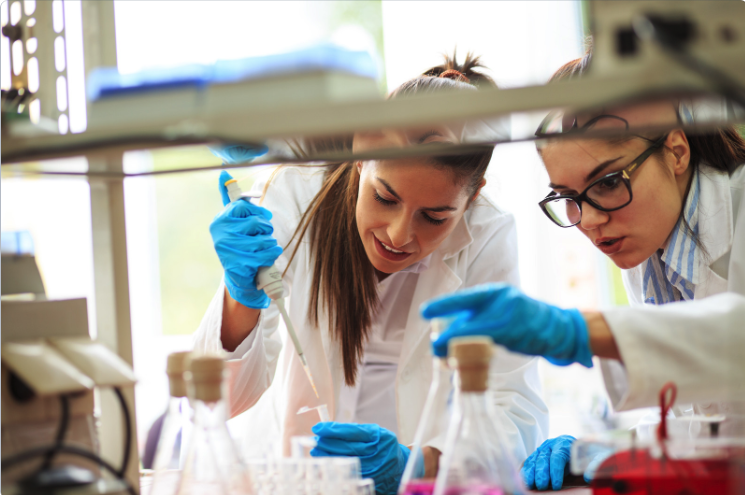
point(667, 207)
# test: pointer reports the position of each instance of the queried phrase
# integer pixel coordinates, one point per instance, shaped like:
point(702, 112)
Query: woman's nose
point(592, 218)
point(400, 231)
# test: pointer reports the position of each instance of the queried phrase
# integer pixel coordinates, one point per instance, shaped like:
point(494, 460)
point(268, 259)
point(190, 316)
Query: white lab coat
point(482, 248)
point(699, 344)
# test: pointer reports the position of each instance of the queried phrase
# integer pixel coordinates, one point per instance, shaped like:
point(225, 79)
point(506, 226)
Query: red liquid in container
point(420, 487)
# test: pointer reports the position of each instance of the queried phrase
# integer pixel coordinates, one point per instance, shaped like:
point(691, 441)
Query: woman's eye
point(433, 221)
point(609, 183)
point(382, 200)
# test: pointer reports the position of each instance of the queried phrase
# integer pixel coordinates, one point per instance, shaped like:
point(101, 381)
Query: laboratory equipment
point(50, 368)
point(167, 474)
point(21, 278)
point(269, 279)
point(38, 374)
point(323, 411)
point(212, 464)
point(413, 481)
point(665, 465)
point(308, 476)
point(475, 461)
point(300, 446)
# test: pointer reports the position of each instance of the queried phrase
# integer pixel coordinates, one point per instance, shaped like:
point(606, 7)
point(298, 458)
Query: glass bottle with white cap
point(476, 460)
point(212, 463)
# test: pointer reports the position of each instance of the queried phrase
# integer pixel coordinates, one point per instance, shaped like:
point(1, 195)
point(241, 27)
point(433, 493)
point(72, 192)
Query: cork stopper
point(471, 356)
point(175, 368)
point(205, 376)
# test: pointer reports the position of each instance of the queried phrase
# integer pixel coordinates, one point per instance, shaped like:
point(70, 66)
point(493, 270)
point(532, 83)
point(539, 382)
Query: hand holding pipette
point(267, 280)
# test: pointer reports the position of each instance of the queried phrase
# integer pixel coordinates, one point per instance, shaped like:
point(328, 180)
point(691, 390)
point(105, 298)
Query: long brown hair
point(344, 279)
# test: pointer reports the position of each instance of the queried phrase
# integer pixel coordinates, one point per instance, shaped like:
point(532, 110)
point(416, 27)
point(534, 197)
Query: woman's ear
point(678, 142)
point(359, 167)
point(478, 191)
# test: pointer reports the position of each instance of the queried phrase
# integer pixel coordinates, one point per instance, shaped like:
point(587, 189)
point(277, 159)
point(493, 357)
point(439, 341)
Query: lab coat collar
point(715, 223)
point(459, 239)
point(419, 266)
point(439, 279)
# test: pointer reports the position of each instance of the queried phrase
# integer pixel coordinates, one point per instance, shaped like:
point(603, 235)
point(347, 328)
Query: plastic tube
point(323, 411)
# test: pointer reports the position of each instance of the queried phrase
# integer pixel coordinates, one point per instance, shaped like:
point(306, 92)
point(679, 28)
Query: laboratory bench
point(227, 113)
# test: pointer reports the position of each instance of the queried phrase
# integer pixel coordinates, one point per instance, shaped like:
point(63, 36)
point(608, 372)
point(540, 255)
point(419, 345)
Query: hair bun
point(456, 75)
point(467, 72)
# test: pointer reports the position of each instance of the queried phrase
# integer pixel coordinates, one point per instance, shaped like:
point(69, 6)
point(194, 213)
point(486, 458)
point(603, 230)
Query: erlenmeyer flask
point(419, 476)
point(212, 464)
point(166, 465)
point(476, 460)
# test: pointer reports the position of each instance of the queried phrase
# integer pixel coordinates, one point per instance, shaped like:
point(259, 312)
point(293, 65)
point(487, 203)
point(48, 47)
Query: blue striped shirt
point(672, 274)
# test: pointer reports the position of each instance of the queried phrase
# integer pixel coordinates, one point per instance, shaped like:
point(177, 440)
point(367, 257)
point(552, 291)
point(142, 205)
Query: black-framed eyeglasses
point(609, 193)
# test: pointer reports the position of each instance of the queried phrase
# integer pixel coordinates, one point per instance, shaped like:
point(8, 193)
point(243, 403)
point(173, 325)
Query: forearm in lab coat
point(253, 363)
point(699, 345)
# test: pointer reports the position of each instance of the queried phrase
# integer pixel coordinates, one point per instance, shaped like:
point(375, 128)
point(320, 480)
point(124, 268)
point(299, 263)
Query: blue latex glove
point(548, 463)
point(382, 458)
point(242, 235)
point(515, 321)
point(237, 153)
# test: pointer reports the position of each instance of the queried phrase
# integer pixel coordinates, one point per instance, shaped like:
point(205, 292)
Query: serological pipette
point(269, 279)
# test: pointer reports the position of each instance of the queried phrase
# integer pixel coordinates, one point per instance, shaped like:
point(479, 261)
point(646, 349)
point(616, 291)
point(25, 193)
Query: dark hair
point(722, 149)
point(344, 279)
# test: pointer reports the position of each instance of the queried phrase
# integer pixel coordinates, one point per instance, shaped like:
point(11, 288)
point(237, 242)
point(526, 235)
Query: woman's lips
point(609, 245)
point(389, 255)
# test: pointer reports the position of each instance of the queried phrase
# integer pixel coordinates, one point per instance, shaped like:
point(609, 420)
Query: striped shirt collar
point(682, 254)
point(673, 273)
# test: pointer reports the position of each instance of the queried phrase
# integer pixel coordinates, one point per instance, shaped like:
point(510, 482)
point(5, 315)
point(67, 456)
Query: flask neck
point(473, 404)
point(210, 413)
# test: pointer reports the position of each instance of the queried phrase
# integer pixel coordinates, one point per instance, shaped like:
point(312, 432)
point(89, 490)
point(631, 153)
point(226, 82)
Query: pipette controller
point(269, 279)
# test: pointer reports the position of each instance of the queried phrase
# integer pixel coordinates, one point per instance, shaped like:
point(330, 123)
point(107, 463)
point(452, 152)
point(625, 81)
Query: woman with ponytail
point(363, 244)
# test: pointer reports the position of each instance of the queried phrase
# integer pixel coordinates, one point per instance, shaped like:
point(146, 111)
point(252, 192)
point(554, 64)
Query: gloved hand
point(382, 458)
point(548, 463)
point(242, 235)
point(237, 153)
point(515, 321)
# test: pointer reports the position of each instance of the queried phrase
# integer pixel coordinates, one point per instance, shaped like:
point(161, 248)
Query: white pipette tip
point(291, 331)
point(323, 411)
point(310, 378)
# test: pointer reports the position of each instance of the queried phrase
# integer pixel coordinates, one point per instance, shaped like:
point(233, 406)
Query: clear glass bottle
point(476, 460)
point(414, 480)
point(212, 465)
point(166, 464)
